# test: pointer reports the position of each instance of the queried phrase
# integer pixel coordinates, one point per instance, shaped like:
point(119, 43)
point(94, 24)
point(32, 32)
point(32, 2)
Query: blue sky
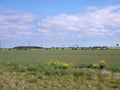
point(50, 23)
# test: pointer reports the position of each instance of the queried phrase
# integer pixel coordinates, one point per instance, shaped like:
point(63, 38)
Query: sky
point(59, 23)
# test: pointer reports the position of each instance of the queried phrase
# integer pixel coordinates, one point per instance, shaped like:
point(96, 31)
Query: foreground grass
point(41, 77)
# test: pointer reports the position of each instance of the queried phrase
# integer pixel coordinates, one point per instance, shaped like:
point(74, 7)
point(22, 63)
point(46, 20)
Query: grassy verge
point(43, 77)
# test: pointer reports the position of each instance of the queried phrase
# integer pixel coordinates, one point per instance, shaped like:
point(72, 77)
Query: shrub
point(58, 64)
point(100, 65)
point(95, 65)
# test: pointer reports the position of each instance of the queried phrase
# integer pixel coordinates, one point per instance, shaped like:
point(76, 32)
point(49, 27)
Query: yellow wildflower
point(102, 62)
point(95, 65)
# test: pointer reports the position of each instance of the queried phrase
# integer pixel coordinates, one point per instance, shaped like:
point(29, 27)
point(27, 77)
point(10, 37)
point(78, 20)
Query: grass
point(38, 77)
point(77, 56)
point(26, 70)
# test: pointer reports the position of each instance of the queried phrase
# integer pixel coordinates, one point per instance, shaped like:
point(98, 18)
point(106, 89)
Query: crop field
point(76, 56)
point(59, 69)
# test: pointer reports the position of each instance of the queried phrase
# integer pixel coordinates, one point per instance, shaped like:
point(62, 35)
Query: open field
point(77, 56)
point(27, 70)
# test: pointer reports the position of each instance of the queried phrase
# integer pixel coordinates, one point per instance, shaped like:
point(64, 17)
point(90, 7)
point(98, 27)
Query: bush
point(58, 64)
point(100, 65)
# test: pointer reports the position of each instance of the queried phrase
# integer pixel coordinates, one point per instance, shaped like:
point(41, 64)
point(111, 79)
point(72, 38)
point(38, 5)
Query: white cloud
point(92, 8)
point(14, 24)
point(60, 22)
point(100, 22)
point(93, 24)
point(43, 31)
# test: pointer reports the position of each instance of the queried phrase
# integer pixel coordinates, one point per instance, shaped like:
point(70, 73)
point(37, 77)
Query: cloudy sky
point(50, 23)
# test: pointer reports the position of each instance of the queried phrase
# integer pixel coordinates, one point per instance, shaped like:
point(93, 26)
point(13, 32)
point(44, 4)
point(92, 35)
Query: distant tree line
point(61, 48)
point(27, 47)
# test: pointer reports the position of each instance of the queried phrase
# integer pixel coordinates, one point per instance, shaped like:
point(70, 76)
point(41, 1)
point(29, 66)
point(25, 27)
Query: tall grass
point(41, 77)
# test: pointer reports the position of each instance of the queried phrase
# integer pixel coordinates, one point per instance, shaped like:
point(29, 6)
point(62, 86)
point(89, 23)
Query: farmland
point(27, 70)
point(76, 56)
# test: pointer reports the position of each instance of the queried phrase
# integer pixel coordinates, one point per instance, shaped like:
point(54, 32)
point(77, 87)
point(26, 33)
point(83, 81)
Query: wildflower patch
point(58, 64)
point(101, 64)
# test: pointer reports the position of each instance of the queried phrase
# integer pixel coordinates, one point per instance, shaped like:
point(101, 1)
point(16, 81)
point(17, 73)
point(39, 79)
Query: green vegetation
point(60, 69)
point(73, 56)
point(101, 64)
point(58, 64)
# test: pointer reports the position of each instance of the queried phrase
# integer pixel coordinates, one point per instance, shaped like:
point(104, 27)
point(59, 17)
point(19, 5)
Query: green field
point(27, 70)
point(76, 56)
